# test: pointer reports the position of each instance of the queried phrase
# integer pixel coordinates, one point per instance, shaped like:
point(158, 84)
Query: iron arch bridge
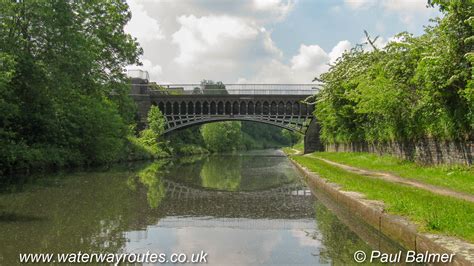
point(284, 111)
point(185, 105)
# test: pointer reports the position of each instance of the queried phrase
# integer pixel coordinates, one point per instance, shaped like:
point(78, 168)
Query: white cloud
point(392, 5)
point(405, 5)
point(304, 238)
point(202, 37)
point(229, 245)
point(339, 49)
point(142, 26)
point(206, 40)
point(310, 62)
point(276, 7)
point(274, 71)
point(407, 10)
point(309, 57)
point(360, 4)
point(269, 45)
point(154, 71)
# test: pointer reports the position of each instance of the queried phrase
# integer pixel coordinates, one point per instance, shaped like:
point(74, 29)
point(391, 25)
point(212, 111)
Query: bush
point(414, 87)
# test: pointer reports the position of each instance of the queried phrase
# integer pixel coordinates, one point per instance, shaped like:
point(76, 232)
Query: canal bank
point(394, 227)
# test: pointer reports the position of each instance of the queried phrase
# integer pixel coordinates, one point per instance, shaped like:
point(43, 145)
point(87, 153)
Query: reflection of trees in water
point(151, 177)
point(186, 169)
point(191, 159)
point(220, 173)
point(232, 172)
point(261, 172)
point(82, 211)
point(339, 242)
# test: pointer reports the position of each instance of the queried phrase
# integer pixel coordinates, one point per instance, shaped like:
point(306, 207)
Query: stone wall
point(312, 142)
point(427, 151)
point(143, 106)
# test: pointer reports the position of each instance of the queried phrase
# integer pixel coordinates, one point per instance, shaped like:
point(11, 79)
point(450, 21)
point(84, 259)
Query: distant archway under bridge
point(187, 105)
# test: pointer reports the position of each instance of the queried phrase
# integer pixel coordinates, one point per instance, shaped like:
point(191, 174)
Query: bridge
point(185, 105)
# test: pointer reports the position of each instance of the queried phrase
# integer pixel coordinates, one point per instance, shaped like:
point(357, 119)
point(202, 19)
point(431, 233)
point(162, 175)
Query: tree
point(150, 137)
point(60, 62)
point(413, 88)
point(290, 136)
point(222, 136)
point(156, 121)
point(211, 87)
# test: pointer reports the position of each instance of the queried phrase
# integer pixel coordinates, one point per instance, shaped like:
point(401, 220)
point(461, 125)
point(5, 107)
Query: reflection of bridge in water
point(175, 189)
point(290, 201)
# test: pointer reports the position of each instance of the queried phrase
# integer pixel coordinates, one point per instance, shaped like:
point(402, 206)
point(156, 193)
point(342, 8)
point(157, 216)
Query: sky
point(261, 41)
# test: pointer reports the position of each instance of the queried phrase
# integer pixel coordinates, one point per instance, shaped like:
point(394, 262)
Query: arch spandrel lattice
point(285, 111)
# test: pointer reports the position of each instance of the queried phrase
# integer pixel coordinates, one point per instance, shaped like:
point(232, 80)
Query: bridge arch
point(176, 108)
point(223, 119)
point(161, 106)
point(235, 108)
point(213, 108)
point(168, 110)
point(205, 108)
point(288, 110)
point(243, 108)
point(198, 109)
point(265, 108)
point(251, 108)
point(258, 108)
point(228, 108)
point(281, 108)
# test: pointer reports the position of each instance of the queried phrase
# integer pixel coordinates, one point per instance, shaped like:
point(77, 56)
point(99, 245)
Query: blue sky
point(327, 22)
point(261, 41)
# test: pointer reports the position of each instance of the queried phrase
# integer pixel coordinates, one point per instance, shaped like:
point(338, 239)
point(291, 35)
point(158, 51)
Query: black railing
point(222, 89)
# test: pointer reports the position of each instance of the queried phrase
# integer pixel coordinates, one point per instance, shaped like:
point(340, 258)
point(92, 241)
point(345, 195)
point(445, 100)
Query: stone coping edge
point(394, 227)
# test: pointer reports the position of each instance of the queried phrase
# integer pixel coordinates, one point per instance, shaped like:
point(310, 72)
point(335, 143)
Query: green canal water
point(241, 209)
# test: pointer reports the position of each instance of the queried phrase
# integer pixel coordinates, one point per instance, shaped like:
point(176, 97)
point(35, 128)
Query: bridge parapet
point(230, 89)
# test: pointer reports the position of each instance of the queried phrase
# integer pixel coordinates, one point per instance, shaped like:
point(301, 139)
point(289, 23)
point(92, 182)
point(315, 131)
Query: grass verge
point(457, 177)
point(433, 213)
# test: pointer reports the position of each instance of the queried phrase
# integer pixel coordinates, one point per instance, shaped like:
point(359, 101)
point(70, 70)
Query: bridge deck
point(226, 89)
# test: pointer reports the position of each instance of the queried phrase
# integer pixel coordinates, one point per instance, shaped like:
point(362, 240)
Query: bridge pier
point(143, 106)
point(312, 141)
point(141, 96)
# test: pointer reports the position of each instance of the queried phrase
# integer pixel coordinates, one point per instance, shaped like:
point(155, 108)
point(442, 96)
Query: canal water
point(241, 209)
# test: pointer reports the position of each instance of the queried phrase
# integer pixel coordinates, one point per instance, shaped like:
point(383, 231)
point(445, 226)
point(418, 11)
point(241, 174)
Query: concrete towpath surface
point(397, 179)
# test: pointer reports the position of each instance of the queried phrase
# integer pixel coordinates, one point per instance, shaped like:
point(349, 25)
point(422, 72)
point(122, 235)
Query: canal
point(241, 209)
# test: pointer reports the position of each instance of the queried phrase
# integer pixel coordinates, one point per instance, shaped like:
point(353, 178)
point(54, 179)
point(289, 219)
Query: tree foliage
point(222, 136)
point(156, 121)
point(60, 61)
point(414, 87)
point(211, 87)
